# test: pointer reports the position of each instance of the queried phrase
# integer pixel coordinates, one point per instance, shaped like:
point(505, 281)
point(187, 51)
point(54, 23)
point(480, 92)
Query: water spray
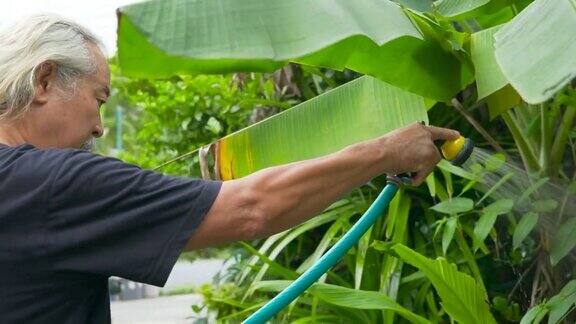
point(456, 151)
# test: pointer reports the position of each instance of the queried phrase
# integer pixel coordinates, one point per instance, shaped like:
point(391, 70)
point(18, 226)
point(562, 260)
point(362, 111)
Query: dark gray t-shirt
point(70, 219)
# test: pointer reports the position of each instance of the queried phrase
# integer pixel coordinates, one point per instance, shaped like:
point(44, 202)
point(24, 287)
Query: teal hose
point(328, 260)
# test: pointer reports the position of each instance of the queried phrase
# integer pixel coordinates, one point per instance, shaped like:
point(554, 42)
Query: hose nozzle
point(457, 151)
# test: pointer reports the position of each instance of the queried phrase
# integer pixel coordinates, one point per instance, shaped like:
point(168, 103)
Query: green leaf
point(325, 243)
point(530, 190)
point(448, 233)
point(489, 76)
point(502, 100)
point(295, 232)
point(347, 297)
point(462, 297)
point(467, 187)
point(397, 216)
point(453, 8)
point(316, 319)
point(448, 181)
point(537, 49)
point(363, 246)
point(163, 38)
point(336, 210)
point(439, 225)
point(276, 267)
point(545, 205)
point(499, 207)
point(362, 109)
point(560, 304)
point(213, 125)
point(418, 5)
point(381, 245)
point(445, 165)
point(396, 230)
point(361, 299)
point(268, 243)
point(454, 206)
point(431, 183)
point(483, 227)
point(497, 185)
point(495, 162)
point(535, 314)
point(490, 81)
point(524, 227)
point(564, 241)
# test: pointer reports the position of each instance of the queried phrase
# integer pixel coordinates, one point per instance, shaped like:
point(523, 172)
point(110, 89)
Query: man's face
point(70, 118)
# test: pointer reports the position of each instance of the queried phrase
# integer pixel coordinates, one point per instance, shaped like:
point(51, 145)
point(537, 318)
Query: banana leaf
point(359, 110)
point(537, 49)
point(489, 76)
point(453, 8)
point(374, 37)
point(490, 81)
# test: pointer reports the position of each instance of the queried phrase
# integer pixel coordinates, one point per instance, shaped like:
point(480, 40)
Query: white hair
point(33, 41)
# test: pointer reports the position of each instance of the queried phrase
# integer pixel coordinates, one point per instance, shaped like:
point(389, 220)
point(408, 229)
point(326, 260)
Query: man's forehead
point(102, 75)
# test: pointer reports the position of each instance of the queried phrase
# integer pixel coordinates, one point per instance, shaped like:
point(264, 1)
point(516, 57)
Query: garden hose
point(456, 151)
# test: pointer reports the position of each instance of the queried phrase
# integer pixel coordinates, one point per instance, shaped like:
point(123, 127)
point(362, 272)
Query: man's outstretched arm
point(277, 198)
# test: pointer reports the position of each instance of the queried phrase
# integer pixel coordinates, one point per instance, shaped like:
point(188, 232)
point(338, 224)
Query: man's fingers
point(439, 133)
point(421, 176)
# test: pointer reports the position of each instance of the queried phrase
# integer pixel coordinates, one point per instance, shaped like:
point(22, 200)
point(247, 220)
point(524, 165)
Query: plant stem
point(520, 278)
point(559, 146)
point(546, 136)
point(526, 153)
point(456, 104)
point(525, 117)
point(535, 285)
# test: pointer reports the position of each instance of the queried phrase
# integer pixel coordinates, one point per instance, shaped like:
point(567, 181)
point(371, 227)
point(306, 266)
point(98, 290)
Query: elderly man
point(69, 219)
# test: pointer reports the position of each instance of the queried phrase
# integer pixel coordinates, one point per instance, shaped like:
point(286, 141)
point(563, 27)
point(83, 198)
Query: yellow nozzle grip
point(450, 149)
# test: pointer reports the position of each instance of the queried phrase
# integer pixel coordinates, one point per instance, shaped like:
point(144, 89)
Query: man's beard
point(88, 145)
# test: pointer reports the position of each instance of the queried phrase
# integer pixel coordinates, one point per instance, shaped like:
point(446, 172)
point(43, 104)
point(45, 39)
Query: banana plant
point(374, 37)
point(417, 48)
point(517, 57)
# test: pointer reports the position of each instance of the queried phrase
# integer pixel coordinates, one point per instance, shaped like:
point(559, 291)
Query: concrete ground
point(160, 310)
point(169, 309)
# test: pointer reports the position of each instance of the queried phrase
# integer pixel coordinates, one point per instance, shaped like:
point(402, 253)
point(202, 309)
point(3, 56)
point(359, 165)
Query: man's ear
point(45, 82)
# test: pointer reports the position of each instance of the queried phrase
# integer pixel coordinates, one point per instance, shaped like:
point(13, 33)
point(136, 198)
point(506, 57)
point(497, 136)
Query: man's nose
point(98, 131)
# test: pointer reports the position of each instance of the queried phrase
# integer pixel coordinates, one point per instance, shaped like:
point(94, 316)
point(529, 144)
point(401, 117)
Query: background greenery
point(488, 243)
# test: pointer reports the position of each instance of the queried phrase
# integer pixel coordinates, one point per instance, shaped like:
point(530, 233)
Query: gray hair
point(33, 41)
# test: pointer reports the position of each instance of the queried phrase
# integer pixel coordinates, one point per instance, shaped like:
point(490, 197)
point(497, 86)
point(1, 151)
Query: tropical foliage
point(490, 242)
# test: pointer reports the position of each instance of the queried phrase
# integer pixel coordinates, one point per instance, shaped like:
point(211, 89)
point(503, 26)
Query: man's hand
point(277, 198)
point(412, 149)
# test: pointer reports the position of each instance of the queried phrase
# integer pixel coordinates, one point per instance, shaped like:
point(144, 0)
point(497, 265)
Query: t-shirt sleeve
point(110, 218)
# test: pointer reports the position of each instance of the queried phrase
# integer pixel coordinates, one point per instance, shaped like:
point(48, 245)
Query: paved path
point(160, 310)
point(194, 273)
